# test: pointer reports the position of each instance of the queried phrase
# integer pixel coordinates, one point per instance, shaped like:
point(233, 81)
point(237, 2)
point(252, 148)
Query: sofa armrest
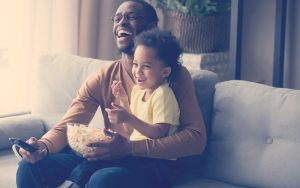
point(23, 127)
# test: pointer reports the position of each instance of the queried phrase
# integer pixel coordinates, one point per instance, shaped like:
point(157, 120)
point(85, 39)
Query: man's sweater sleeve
point(81, 110)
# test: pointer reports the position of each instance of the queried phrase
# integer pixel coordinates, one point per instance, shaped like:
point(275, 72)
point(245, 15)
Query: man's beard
point(127, 49)
point(130, 48)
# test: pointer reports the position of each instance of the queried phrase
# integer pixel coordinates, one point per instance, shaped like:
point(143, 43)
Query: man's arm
point(151, 131)
point(81, 110)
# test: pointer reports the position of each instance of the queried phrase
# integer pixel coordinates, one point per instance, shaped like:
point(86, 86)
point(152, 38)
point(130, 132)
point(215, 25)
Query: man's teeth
point(123, 33)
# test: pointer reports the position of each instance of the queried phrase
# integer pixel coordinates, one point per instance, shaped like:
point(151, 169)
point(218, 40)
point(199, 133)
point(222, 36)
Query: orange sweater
point(190, 140)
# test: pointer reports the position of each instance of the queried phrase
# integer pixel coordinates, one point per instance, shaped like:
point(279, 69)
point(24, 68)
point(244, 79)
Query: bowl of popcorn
point(80, 135)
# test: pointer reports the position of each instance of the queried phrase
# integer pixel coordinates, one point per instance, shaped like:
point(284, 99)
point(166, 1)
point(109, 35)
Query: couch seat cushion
point(9, 164)
point(191, 180)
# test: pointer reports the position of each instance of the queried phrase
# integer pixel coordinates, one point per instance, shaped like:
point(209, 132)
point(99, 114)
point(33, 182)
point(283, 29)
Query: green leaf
point(194, 7)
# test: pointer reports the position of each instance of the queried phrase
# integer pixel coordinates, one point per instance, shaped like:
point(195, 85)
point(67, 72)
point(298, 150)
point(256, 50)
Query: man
point(52, 163)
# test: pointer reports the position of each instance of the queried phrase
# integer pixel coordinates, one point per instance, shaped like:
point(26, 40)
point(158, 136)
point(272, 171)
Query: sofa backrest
point(59, 76)
point(255, 135)
point(58, 79)
point(204, 82)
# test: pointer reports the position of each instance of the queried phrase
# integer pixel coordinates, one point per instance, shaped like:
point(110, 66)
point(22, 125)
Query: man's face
point(129, 21)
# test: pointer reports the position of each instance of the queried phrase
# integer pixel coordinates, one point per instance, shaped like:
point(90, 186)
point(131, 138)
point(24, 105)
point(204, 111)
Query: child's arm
point(117, 114)
point(154, 131)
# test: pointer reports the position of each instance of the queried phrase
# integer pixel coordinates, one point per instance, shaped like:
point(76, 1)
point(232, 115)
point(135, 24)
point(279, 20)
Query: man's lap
point(55, 168)
point(131, 172)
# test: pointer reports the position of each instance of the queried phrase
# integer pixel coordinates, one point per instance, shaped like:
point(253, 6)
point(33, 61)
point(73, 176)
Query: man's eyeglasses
point(131, 16)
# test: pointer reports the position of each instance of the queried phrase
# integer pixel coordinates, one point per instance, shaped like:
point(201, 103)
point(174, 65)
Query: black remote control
point(20, 143)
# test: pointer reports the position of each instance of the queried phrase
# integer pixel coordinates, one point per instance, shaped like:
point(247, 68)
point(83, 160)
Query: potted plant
point(202, 26)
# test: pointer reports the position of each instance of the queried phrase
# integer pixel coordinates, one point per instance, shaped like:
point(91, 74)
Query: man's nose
point(123, 20)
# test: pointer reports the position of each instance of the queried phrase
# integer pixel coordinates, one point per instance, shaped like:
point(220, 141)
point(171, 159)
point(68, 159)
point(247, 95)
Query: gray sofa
point(253, 129)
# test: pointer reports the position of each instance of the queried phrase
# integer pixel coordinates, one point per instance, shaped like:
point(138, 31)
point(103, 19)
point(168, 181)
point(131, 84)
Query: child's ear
point(166, 72)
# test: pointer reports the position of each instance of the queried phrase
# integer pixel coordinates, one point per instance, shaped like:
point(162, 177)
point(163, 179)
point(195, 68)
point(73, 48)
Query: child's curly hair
point(167, 47)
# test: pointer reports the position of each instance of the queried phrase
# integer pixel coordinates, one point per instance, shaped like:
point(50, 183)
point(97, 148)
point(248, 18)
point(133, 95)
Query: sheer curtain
point(95, 29)
point(30, 28)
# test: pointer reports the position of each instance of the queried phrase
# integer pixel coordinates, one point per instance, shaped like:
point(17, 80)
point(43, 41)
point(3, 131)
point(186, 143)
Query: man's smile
point(123, 33)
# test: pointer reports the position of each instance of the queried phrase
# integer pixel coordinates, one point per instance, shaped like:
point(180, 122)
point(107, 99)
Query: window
point(29, 29)
point(13, 81)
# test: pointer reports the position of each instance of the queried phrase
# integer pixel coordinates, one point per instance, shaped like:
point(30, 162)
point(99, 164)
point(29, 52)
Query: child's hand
point(117, 114)
point(118, 90)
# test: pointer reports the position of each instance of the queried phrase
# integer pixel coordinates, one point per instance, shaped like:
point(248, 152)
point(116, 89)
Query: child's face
point(149, 71)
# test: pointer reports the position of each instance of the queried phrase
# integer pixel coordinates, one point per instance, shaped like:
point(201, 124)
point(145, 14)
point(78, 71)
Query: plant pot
point(199, 34)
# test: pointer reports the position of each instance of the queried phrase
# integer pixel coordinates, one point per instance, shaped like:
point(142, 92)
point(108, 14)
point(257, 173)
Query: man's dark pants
point(132, 172)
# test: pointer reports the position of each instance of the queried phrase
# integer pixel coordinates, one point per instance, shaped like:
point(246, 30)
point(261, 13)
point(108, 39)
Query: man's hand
point(117, 147)
point(40, 153)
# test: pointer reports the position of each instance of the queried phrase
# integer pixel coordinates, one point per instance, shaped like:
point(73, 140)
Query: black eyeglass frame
point(130, 16)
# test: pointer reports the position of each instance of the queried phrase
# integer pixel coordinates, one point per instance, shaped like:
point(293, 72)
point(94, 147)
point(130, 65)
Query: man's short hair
point(150, 12)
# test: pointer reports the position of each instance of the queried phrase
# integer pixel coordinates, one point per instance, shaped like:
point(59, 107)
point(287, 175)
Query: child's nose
point(139, 70)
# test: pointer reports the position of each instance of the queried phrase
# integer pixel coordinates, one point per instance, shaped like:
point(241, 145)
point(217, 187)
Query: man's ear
point(166, 72)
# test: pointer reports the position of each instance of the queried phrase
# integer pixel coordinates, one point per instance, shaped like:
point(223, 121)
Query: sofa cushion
point(59, 77)
point(9, 164)
point(204, 82)
point(255, 138)
point(191, 180)
point(22, 127)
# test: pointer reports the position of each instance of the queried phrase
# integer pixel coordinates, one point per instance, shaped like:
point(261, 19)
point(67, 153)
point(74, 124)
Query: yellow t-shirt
point(161, 107)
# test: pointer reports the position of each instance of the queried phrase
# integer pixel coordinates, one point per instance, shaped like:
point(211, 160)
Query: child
point(154, 110)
